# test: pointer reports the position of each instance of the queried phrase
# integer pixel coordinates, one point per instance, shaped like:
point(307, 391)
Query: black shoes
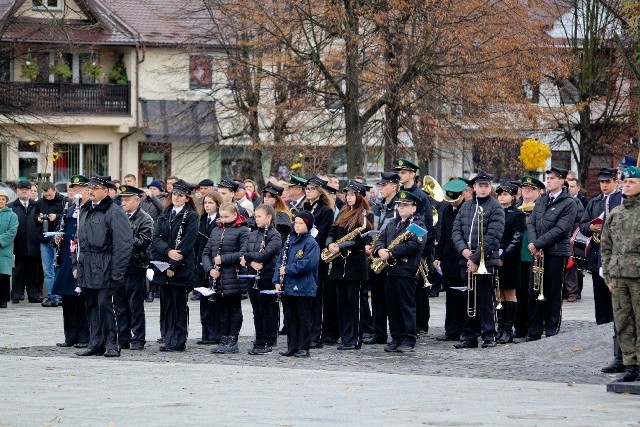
point(489, 343)
point(348, 347)
point(302, 353)
point(404, 348)
point(15, 301)
point(315, 344)
point(630, 374)
point(392, 347)
point(125, 346)
point(136, 345)
point(466, 344)
point(35, 300)
point(615, 367)
point(160, 340)
point(446, 337)
point(49, 303)
point(529, 339)
point(260, 349)
point(91, 352)
point(206, 342)
point(149, 297)
point(81, 345)
point(3, 304)
point(64, 344)
point(172, 348)
point(288, 353)
point(375, 340)
point(330, 340)
point(111, 353)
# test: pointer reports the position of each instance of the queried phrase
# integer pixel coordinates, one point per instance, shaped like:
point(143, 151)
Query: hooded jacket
point(303, 258)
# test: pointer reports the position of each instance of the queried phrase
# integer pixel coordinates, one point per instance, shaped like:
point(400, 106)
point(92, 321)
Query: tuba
point(435, 191)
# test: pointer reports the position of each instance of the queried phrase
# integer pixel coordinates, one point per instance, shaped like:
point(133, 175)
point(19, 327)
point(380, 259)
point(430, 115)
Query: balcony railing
point(64, 98)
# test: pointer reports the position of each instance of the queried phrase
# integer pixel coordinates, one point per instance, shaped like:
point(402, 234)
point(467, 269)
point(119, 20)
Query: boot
point(220, 348)
point(510, 309)
point(616, 366)
point(630, 374)
point(501, 315)
point(232, 345)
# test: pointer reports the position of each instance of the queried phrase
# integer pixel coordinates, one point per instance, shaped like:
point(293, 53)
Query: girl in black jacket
point(262, 250)
point(509, 264)
point(350, 268)
point(221, 262)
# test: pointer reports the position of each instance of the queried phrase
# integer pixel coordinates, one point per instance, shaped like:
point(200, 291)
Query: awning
point(180, 121)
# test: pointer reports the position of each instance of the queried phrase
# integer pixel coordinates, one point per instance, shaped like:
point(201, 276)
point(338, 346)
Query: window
point(83, 159)
point(236, 163)
point(28, 158)
point(46, 4)
point(532, 91)
point(561, 159)
point(200, 72)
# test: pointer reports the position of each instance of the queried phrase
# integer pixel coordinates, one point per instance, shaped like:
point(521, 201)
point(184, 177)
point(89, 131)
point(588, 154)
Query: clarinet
point(284, 257)
point(58, 257)
point(180, 230)
point(262, 246)
point(217, 268)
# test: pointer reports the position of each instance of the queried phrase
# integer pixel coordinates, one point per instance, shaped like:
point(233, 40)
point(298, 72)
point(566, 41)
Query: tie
point(209, 221)
point(173, 215)
point(26, 205)
point(551, 199)
point(129, 214)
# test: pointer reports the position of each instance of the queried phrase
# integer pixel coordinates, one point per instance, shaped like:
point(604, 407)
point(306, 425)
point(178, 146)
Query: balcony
point(64, 98)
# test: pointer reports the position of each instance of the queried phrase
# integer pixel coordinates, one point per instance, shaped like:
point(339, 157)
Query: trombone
point(472, 296)
point(538, 276)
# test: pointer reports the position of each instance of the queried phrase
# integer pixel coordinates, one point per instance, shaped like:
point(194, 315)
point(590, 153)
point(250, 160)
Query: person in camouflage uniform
point(621, 268)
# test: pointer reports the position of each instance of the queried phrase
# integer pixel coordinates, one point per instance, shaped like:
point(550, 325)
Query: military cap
point(404, 196)
point(356, 187)
point(317, 181)
point(24, 184)
point(295, 180)
point(228, 183)
point(183, 187)
point(273, 189)
point(206, 183)
point(481, 177)
point(559, 172)
point(130, 190)
point(453, 190)
point(157, 184)
point(530, 181)
point(508, 188)
point(465, 180)
point(78, 180)
point(631, 172)
point(606, 174)
point(104, 181)
point(404, 164)
point(387, 177)
point(627, 161)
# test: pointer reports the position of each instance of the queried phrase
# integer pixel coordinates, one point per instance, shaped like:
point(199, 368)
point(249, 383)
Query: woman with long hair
point(350, 268)
point(174, 242)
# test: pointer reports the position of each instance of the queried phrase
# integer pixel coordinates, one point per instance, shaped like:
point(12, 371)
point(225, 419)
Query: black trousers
point(330, 327)
point(262, 305)
point(129, 302)
point(423, 309)
point(5, 287)
point(546, 316)
point(484, 323)
point(230, 312)
point(316, 306)
point(210, 320)
point(378, 305)
point(297, 313)
point(349, 298)
point(602, 299)
point(101, 316)
point(571, 286)
point(74, 319)
point(174, 315)
point(455, 307)
point(400, 293)
point(275, 318)
point(26, 274)
point(366, 320)
point(521, 324)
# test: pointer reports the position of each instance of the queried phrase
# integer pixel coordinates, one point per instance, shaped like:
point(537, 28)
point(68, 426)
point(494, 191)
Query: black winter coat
point(204, 232)
point(550, 225)
point(352, 264)
point(384, 213)
point(46, 207)
point(283, 225)
point(104, 242)
point(142, 229)
point(164, 239)
point(230, 242)
point(151, 205)
point(27, 241)
point(446, 251)
point(267, 255)
point(511, 244)
point(406, 254)
point(464, 231)
point(64, 282)
point(323, 219)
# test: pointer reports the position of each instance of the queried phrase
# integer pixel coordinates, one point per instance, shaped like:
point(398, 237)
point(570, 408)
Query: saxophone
point(378, 264)
point(328, 257)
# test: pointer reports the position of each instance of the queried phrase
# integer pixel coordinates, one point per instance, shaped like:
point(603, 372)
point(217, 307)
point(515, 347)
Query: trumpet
point(472, 297)
point(538, 276)
point(424, 272)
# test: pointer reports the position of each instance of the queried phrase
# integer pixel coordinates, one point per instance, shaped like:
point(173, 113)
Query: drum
point(579, 243)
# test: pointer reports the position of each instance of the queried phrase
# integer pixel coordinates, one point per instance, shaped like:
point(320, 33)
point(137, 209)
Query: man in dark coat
point(26, 247)
point(101, 258)
point(549, 228)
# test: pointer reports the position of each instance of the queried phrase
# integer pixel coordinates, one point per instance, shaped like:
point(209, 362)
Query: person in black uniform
point(509, 271)
point(549, 228)
point(296, 192)
point(100, 262)
point(471, 246)
point(384, 212)
point(350, 268)
point(447, 259)
point(407, 172)
point(593, 219)
point(227, 189)
point(129, 299)
point(74, 311)
point(174, 241)
point(403, 256)
point(324, 317)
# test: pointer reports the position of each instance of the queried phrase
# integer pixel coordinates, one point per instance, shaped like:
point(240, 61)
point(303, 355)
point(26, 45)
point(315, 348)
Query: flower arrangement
point(118, 74)
point(61, 69)
point(534, 154)
point(29, 70)
point(92, 69)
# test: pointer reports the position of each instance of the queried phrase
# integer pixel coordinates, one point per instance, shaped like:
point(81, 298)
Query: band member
point(530, 190)
point(101, 256)
point(384, 212)
point(593, 219)
point(221, 262)
point(296, 193)
point(473, 246)
point(263, 248)
point(174, 240)
point(620, 254)
point(227, 189)
point(448, 260)
point(26, 248)
point(350, 269)
point(400, 275)
point(74, 311)
point(509, 264)
point(129, 299)
point(297, 278)
point(572, 290)
point(209, 318)
point(324, 317)
point(8, 231)
point(549, 228)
